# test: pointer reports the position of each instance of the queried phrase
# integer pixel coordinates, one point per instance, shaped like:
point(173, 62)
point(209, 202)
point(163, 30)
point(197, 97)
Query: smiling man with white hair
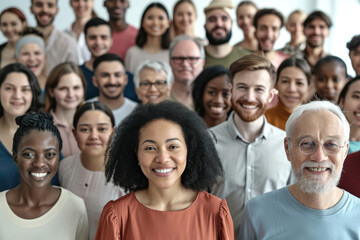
point(316, 144)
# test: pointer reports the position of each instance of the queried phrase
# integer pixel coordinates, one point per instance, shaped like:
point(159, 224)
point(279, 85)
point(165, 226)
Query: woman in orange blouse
point(165, 157)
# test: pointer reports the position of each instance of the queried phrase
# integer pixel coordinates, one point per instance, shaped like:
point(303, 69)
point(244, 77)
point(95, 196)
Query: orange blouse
point(278, 115)
point(208, 217)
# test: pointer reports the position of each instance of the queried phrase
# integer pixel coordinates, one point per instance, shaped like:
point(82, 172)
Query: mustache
point(217, 27)
point(112, 85)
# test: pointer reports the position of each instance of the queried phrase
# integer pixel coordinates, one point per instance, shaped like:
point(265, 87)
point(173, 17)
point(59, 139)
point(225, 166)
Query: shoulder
point(275, 131)
point(63, 36)
point(68, 164)
point(74, 202)
point(130, 103)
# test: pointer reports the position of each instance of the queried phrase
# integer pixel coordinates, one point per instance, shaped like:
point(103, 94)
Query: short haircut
point(32, 31)
point(253, 62)
point(15, 11)
point(183, 37)
point(318, 15)
point(345, 89)
point(268, 11)
point(33, 82)
point(200, 83)
point(156, 66)
point(39, 121)
point(354, 43)
point(108, 57)
point(95, 22)
point(298, 63)
point(202, 164)
point(298, 11)
point(54, 79)
point(327, 60)
point(93, 106)
point(316, 106)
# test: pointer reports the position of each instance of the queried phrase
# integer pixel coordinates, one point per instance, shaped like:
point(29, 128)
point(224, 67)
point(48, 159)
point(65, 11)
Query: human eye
point(50, 155)
point(331, 145)
point(84, 129)
point(28, 155)
point(241, 87)
point(226, 94)
point(307, 144)
point(259, 90)
point(212, 19)
point(149, 148)
point(355, 96)
point(145, 84)
point(174, 147)
point(336, 80)
point(102, 129)
point(211, 92)
point(160, 83)
point(299, 83)
point(284, 81)
point(14, 24)
point(26, 89)
point(322, 79)
point(224, 18)
point(9, 88)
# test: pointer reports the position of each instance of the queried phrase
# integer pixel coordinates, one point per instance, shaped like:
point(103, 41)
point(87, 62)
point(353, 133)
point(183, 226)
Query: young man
point(354, 53)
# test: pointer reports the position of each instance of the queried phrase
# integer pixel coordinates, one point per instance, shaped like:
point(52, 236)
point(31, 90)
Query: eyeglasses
point(146, 85)
point(330, 147)
point(180, 60)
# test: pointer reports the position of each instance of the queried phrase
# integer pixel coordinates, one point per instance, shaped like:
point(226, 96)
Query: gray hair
point(186, 37)
point(29, 39)
point(316, 106)
point(157, 66)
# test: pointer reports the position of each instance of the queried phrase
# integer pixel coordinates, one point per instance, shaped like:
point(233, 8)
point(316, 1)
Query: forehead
point(38, 138)
point(185, 6)
point(54, 2)
point(246, 9)
point(185, 48)
point(253, 78)
point(332, 68)
point(110, 66)
point(151, 74)
point(317, 22)
point(16, 78)
point(269, 20)
point(218, 12)
point(99, 30)
point(94, 117)
point(9, 16)
point(153, 129)
point(30, 47)
point(155, 10)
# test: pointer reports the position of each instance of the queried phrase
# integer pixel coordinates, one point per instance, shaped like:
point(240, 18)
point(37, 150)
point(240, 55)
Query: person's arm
point(226, 228)
point(108, 227)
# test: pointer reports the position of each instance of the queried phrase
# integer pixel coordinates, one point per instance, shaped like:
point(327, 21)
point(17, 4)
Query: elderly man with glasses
point(316, 144)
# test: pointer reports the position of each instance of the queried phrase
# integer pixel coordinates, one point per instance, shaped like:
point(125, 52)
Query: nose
point(319, 155)
point(163, 156)
point(70, 92)
point(329, 84)
point(292, 87)
point(153, 88)
point(39, 161)
point(250, 95)
point(218, 98)
point(17, 93)
point(93, 134)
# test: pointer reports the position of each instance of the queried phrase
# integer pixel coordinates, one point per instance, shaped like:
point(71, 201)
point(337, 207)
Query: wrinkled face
point(11, 26)
point(317, 172)
point(162, 154)
point(216, 98)
point(184, 18)
point(32, 56)
point(155, 22)
point(116, 9)
point(351, 104)
point(218, 27)
point(82, 8)
point(37, 158)
point(92, 133)
point(98, 40)
point(44, 11)
point(355, 59)
point(268, 31)
point(186, 71)
point(111, 79)
point(16, 94)
point(329, 81)
point(153, 86)
point(293, 87)
point(316, 32)
point(251, 93)
point(295, 26)
point(245, 15)
point(69, 92)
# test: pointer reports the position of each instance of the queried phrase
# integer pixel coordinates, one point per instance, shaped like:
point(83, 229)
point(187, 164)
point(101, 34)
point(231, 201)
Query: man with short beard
point(248, 146)
point(218, 32)
point(60, 47)
point(316, 144)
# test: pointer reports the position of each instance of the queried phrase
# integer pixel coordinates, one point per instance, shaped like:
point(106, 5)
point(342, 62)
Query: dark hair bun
point(33, 119)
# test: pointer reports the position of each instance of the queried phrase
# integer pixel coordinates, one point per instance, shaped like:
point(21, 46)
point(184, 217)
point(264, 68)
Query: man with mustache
point(110, 77)
point(316, 144)
point(60, 47)
point(218, 26)
point(248, 146)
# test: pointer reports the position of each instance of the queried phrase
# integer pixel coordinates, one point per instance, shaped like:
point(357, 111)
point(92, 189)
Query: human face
point(98, 40)
point(268, 31)
point(11, 26)
point(186, 72)
point(251, 93)
point(317, 172)
point(245, 15)
point(44, 11)
point(329, 81)
point(355, 59)
point(69, 92)
point(82, 8)
point(111, 79)
point(351, 104)
point(116, 9)
point(316, 32)
point(155, 22)
point(216, 98)
point(32, 56)
point(162, 154)
point(92, 133)
point(184, 18)
point(37, 158)
point(153, 94)
point(293, 87)
point(295, 26)
point(16, 94)
point(218, 27)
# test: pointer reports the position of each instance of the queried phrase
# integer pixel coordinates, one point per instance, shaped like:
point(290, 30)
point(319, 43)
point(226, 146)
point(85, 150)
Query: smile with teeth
point(164, 170)
point(249, 106)
point(215, 109)
point(317, 169)
point(38, 175)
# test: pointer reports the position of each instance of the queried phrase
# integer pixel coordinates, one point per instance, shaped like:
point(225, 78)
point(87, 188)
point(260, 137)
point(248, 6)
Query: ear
point(273, 92)
point(138, 93)
point(347, 150)
point(95, 82)
point(51, 92)
point(287, 149)
point(15, 159)
point(126, 79)
point(341, 103)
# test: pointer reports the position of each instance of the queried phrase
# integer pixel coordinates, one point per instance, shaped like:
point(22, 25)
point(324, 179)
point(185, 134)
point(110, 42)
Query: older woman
point(153, 81)
point(164, 155)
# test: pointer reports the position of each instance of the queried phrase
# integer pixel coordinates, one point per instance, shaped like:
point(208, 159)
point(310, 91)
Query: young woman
point(164, 155)
point(19, 93)
point(153, 39)
point(12, 23)
point(83, 172)
point(212, 94)
point(64, 93)
point(35, 209)
point(293, 84)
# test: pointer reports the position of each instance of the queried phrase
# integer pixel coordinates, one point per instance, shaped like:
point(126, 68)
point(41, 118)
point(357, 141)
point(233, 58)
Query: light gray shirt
point(250, 169)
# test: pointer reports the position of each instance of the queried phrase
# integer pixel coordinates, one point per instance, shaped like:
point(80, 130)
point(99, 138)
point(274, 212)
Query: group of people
point(112, 132)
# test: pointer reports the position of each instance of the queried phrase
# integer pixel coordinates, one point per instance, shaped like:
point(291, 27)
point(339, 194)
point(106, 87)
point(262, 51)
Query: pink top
point(123, 40)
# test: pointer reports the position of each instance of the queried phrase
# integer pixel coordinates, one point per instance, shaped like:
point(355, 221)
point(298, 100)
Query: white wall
point(344, 13)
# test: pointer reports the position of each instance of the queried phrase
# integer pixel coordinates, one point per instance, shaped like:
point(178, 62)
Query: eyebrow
point(168, 140)
point(87, 124)
point(358, 92)
point(337, 137)
point(33, 150)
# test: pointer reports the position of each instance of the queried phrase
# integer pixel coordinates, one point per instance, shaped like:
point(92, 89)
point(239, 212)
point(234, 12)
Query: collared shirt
point(250, 169)
point(291, 50)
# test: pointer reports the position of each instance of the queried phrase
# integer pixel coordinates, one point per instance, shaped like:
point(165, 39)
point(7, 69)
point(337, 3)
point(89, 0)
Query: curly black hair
point(202, 164)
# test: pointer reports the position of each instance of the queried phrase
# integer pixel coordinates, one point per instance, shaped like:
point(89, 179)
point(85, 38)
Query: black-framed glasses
point(180, 60)
point(330, 147)
point(159, 84)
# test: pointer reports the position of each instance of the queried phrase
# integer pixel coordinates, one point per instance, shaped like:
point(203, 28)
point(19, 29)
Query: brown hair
point(268, 11)
point(15, 11)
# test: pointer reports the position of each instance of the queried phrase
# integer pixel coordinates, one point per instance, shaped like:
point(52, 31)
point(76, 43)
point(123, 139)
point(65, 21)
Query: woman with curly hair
point(165, 157)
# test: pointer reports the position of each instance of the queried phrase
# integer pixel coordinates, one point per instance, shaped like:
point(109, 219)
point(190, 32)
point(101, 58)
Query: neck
point(32, 197)
point(249, 130)
point(11, 45)
point(113, 104)
point(46, 31)
point(89, 64)
point(219, 51)
point(296, 41)
point(65, 116)
point(153, 44)
point(211, 122)
point(316, 51)
point(354, 132)
point(8, 122)
point(118, 26)
point(182, 91)
point(92, 163)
